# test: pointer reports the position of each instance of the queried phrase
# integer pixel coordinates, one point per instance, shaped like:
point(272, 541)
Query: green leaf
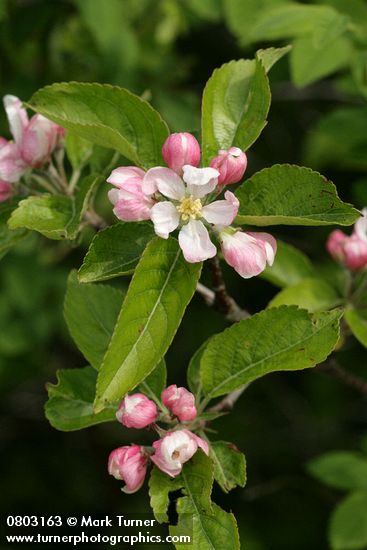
point(91, 312)
point(154, 384)
point(106, 115)
point(291, 195)
point(115, 251)
point(78, 149)
point(310, 62)
point(348, 525)
point(8, 238)
point(55, 216)
point(310, 293)
point(162, 286)
point(193, 371)
point(70, 403)
point(340, 469)
point(210, 527)
point(82, 200)
point(339, 140)
point(236, 102)
point(357, 324)
point(47, 214)
point(270, 56)
point(229, 465)
point(290, 266)
point(277, 339)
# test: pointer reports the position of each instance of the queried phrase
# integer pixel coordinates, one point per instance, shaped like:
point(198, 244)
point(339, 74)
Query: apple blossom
point(350, 250)
point(180, 149)
point(12, 166)
point(130, 203)
point(231, 164)
point(176, 448)
point(128, 464)
point(137, 411)
point(248, 253)
point(180, 401)
point(6, 191)
point(186, 208)
point(35, 139)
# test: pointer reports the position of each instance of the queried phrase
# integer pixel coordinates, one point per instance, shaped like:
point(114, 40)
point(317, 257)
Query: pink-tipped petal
point(128, 464)
point(180, 402)
point(17, 117)
point(222, 212)
point(6, 191)
point(164, 180)
point(200, 181)
point(12, 167)
point(231, 165)
point(137, 411)
point(360, 227)
point(125, 174)
point(195, 242)
point(180, 149)
point(247, 253)
point(165, 218)
point(173, 450)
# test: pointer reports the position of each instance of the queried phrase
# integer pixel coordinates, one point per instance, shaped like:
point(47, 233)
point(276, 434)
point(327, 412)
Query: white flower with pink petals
point(180, 401)
point(248, 253)
point(176, 448)
point(188, 208)
point(128, 464)
point(130, 203)
point(350, 250)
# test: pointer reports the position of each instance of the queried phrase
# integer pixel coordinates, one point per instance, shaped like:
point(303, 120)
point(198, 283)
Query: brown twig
point(219, 297)
point(350, 379)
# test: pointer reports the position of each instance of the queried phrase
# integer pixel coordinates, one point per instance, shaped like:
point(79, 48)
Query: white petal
point(360, 227)
point(17, 117)
point(164, 180)
point(200, 181)
point(165, 218)
point(222, 212)
point(195, 242)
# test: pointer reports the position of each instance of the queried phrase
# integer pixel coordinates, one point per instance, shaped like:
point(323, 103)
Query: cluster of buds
point(183, 197)
point(175, 447)
point(350, 250)
point(33, 142)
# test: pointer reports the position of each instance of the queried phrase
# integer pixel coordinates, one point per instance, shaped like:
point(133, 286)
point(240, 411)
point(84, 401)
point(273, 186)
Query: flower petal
point(360, 227)
point(269, 243)
point(200, 181)
point(17, 117)
point(222, 212)
point(164, 180)
point(165, 218)
point(195, 242)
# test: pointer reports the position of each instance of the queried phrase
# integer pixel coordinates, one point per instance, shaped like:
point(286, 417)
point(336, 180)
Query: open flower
point(176, 448)
point(187, 208)
point(248, 253)
point(128, 464)
point(350, 250)
point(130, 203)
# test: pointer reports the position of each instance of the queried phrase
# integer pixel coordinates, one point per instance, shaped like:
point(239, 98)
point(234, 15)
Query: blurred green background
point(166, 50)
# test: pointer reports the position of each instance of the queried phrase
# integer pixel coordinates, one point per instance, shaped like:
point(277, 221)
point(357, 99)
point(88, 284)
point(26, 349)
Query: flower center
point(190, 208)
point(175, 455)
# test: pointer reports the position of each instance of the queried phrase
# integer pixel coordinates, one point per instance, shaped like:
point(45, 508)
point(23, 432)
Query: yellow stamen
point(190, 208)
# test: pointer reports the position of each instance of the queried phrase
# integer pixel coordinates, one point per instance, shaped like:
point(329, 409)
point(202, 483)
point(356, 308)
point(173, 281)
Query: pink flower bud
point(12, 166)
point(176, 448)
point(128, 464)
point(137, 411)
point(355, 253)
point(231, 164)
point(335, 244)
point(6, 191)
point(350, 250)
point(248, 253)
point(130, 203)
point(39, 140)
point(180, 401)
point(180, 149)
